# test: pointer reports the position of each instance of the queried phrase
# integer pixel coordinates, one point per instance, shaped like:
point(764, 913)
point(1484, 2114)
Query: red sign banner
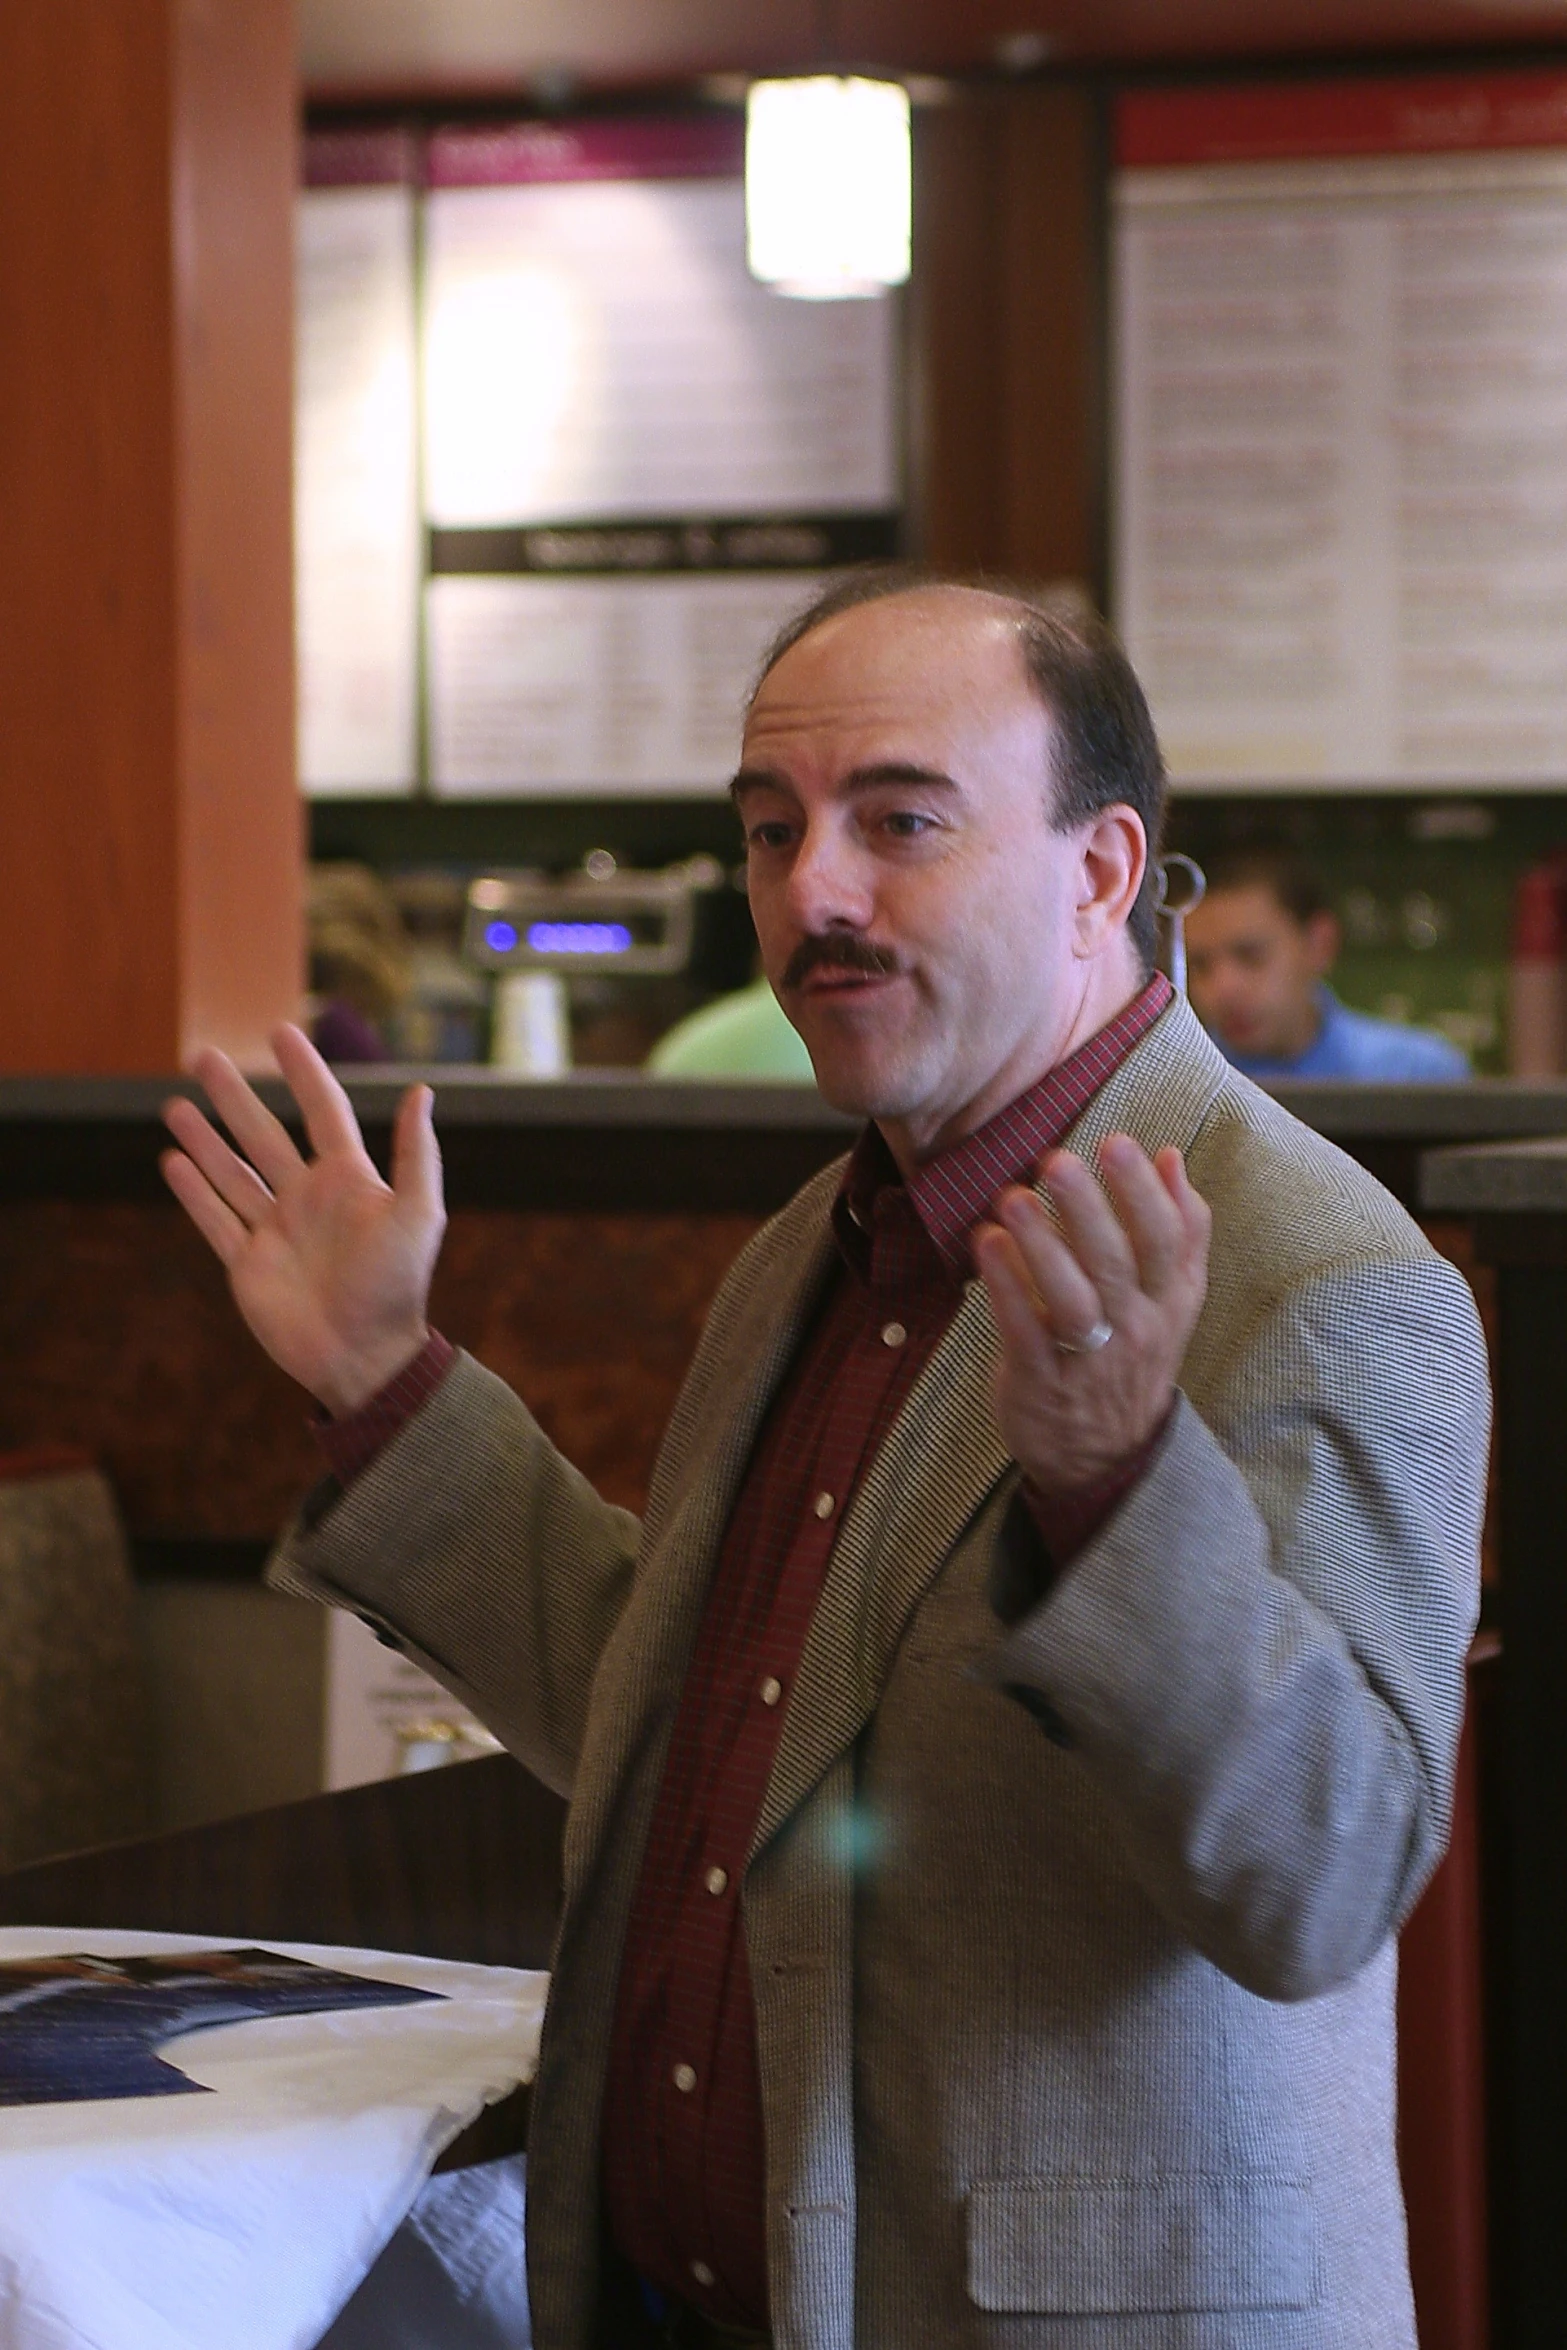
point(1286, 121)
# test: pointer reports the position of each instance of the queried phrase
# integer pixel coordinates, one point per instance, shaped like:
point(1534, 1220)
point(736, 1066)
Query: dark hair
point(1106, 750)
point(1288, 879)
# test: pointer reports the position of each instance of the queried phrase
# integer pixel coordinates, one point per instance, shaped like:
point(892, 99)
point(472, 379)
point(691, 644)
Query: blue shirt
point(1366, 1051)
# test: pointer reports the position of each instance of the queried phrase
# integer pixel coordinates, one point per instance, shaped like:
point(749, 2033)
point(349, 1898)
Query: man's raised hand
point(329, 1265)
point(1095, 1311)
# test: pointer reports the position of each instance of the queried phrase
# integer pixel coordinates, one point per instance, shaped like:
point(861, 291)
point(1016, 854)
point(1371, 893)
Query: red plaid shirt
point(682, 2126)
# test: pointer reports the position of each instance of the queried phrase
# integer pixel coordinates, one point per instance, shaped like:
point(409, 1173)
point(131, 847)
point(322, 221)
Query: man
point(998, 1772)
point(1259, 949)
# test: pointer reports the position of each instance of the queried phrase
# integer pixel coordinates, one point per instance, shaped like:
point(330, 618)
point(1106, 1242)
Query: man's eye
point(769, 836)
point(907, 823)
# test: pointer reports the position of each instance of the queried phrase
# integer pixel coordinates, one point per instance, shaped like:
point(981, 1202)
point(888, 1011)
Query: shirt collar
point(952, 1192)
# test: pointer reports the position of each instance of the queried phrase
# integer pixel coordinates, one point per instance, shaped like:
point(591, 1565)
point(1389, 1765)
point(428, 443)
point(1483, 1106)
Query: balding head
point(1103, 747)
point(938, 924)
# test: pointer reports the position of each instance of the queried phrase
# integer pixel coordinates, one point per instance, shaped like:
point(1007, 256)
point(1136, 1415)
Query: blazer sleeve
point(474, 1545)
point(1260, 1657)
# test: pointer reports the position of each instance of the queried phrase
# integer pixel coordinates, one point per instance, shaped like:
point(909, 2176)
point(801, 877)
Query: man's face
point(917, 912)
point(1252, 971)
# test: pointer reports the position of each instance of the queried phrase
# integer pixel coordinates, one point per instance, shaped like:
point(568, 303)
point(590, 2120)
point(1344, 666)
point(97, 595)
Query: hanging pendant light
point(827, 186)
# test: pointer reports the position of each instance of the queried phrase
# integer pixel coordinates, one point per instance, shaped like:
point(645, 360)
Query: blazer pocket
point(1114, 2248)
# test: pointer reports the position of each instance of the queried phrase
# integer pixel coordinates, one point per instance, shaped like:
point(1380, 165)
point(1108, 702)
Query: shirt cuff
point(351, 1444)
point(1067, 1522)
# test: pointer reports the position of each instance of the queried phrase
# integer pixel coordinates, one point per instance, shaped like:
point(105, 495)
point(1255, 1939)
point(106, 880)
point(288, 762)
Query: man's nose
point(828, 885)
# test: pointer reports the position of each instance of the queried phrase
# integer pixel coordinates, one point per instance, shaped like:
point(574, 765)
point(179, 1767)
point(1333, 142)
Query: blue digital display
point(500, 938)
point(579, 938)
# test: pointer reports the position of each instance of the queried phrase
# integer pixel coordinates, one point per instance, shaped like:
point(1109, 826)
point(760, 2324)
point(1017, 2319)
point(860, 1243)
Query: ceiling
point(447, 47)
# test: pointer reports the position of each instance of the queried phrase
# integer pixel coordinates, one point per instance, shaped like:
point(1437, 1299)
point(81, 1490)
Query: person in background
point(358, 962)
point(1258, 952)
point(746, 1035)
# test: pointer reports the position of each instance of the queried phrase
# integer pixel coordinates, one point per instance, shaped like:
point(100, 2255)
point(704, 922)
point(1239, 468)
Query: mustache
point(840, 950)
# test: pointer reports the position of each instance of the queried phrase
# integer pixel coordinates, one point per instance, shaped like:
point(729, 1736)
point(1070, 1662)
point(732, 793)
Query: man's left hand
point(1094, 1312)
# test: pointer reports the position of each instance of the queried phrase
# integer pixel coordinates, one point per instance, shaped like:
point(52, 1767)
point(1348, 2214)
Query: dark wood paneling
point(238, 888)
point(592, 1319)
point(1051, 377)
point(1005, 334)
point(87, 585)
point(353, 47)
point(955, 335)
point(626, 1169)
point(149, 823)
point(117, 1333)
point(952, 35)
point(462, 1863)
point(1531, 2245)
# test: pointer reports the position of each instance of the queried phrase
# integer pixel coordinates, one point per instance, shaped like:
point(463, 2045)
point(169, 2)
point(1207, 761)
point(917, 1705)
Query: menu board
point(625, 685)
point(357, 529)
point(637, 461)
point(599, 349)
point(563, 467)
point(1341, 429)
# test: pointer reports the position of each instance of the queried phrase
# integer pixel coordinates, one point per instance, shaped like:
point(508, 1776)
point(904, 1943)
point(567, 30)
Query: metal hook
point(1174, 907)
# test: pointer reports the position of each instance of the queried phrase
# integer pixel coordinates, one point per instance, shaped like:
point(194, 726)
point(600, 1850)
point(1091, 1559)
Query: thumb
point(416, 1159)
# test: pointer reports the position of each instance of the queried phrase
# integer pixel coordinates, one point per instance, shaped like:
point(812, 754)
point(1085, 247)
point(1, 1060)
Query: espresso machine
point(588, 968)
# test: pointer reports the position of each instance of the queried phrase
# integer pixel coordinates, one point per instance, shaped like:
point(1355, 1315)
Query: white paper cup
point(530, 1032)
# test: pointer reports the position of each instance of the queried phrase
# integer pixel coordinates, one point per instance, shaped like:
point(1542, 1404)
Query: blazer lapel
point(945, 1456)
point(942, 1459)
point(644, 1666)
point(1162, 1091)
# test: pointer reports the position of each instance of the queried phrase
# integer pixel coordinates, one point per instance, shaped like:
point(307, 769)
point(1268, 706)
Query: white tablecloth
point(243, 2220)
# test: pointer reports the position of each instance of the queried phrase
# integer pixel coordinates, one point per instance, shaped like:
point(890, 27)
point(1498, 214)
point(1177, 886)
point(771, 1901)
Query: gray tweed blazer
point(1071, 1920)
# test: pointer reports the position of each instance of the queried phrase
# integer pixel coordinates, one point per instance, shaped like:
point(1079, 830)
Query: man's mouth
point(839, 965)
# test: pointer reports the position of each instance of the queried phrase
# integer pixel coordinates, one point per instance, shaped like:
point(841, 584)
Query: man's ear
point(1114, 851)
point(1323, 940)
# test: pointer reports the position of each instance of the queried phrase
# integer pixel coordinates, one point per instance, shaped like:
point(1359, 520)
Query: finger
point(325, 1107)
point(231, 1177)
point(1063, 1293)
point(265, 1140)
point(1149, 1213)
point(1013, 1298)
point(1194, 1211)
point(218, 1225)
point(1092, 1230)
point(416, 1158)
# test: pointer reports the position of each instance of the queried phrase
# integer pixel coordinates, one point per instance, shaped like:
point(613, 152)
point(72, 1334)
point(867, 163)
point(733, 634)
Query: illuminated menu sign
point(1341, 429)
point(635, 462)
point(356, 510)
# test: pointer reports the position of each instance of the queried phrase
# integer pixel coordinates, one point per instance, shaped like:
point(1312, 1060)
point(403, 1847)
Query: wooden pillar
point(1007, 334)
point(150, 833)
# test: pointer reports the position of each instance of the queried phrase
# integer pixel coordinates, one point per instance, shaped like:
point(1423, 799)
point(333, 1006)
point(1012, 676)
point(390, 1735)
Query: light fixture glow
point(827, 186)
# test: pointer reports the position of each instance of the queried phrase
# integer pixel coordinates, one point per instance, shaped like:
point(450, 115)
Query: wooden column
point(1007, 333)
point(150, 834)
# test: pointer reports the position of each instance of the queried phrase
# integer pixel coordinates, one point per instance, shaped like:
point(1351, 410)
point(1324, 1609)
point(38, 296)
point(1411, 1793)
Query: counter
point(591, 1221)
point(616, 1140)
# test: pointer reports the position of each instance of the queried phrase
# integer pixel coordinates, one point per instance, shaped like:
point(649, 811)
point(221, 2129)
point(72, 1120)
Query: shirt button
point(717, 1880)
point(770, 1691)
point(824, 1505)
point(684, 2078)
point(702, 2273)
point(893, 1334)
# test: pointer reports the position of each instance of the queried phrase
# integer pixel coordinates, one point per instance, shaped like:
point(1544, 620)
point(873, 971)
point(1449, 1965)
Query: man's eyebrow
point(881, 771)
point(755, 779)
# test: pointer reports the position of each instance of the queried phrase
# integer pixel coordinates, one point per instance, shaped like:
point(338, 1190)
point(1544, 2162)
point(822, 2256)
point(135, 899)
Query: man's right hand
point(329, 1265)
